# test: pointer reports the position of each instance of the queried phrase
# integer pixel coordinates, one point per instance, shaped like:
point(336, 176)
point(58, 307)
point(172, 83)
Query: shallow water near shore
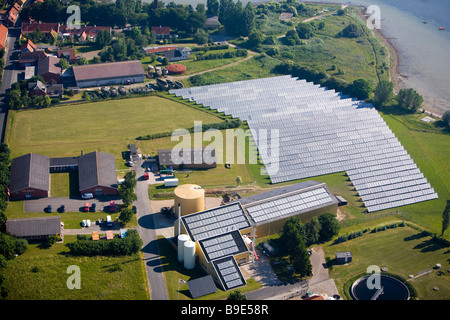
point(412, 26)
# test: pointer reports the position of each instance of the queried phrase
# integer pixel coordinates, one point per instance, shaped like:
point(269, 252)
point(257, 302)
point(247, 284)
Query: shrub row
point(227, 124)
point(218, 47)
point(117, 246)
point(359, 233)
point(223, 55)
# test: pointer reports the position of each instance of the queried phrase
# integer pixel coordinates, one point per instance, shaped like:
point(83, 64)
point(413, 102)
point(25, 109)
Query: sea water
point(412, 26)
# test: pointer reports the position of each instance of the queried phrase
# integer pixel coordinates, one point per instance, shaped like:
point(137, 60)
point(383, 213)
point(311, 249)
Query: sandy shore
point(429, 103)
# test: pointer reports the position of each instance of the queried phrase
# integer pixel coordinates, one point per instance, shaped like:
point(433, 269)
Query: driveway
point(146, 229)
point(71, 204)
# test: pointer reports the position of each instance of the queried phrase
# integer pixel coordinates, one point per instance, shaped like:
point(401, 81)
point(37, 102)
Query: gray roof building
point(201, 158)
point(97, 169)
point(30, 171)
point(34, 227)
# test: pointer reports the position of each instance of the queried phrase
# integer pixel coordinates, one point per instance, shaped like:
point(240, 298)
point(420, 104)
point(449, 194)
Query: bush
point(126, 246)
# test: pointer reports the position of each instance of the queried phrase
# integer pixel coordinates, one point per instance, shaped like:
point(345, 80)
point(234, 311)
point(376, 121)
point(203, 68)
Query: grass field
point(102, 278)
point(403, 250)
point(107, 126)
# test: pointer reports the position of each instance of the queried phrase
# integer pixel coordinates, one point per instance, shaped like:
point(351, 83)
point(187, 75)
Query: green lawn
point(107, 126)
point(102, 278)
point(403, 250)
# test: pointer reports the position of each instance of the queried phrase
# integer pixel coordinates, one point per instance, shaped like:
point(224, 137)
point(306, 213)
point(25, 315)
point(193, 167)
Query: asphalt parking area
point(71, 204)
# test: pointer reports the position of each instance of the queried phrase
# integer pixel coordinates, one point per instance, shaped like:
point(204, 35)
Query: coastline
point(395, 75)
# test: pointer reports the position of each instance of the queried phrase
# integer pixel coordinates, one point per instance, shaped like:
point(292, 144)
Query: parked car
point(87, 196)
point(112, 206)
point(86, 207)
point(49, 208)
point(83, 223)
point(88, 223)
point(62, 209)
point(130, 163)
point(92, 209)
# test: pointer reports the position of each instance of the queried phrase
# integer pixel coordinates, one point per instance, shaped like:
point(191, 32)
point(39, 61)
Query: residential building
point(3, 36)
point(48, 69)
point(31, 58)
point(68, 54)
point(28, 46)
point(162, 32)
point(37, 88)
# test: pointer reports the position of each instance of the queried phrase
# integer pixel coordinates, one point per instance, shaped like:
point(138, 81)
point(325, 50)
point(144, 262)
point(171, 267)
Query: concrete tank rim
point(183, 237)
point(189, 191)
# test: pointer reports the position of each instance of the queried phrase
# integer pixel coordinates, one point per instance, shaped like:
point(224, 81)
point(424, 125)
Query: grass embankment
point(403, 251)
point(41, 274)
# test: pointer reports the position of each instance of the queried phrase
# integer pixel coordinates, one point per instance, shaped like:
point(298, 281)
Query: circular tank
point(182, 239)
point(390, 289)
point(191, 197)
point(189, 254)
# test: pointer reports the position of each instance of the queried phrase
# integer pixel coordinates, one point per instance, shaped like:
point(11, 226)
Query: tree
point(63, 63)
point(255, 39)
point(409, 99)
point(445, 217)
point(212, 7)
point(312, 229)
point(293, 233)
point(330, 226)
point(446, 118)
point(351, 31)
point(361, 89)
point(126, 215)
point(305, 30)
point(201, 37)
point(237, 295)
point(299, 259)
point(126, 189)
point(51, 239)
point(383, 92)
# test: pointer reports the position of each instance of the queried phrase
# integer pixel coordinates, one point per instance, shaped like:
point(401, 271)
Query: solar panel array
point(216, 221)
point(321, 132)
point(285, 206)
point(222, 246)
point(229, 272)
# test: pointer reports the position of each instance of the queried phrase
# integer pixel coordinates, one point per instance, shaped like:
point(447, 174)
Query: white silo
point(182, 238)
point(189, 254)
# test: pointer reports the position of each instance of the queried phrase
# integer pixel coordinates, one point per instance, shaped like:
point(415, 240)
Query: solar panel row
point(217, 221)
point(288, 205)
point(320, 132)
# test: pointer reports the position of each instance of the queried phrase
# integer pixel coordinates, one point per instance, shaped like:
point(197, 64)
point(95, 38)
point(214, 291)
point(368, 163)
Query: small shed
point(201, 286)
point(343, 257)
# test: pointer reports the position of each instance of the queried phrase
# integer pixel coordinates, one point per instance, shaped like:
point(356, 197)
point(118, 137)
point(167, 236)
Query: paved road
point(147, 232)
point(9, 76)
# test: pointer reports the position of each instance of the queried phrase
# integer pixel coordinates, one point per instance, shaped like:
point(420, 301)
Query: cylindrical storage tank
point(182, 239)
point(191, 197)
point(189, 255)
